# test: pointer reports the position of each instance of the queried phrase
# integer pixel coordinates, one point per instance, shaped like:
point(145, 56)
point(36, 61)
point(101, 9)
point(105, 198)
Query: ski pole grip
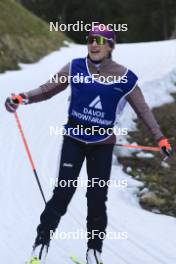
point(17, 99)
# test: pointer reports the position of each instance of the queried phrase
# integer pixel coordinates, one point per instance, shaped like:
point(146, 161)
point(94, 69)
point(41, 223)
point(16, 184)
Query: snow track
point(151, 238)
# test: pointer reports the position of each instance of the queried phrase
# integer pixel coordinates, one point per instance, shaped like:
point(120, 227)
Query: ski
point(34, 260)
point(75, 260)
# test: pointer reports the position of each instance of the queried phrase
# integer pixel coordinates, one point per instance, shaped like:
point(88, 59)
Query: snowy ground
point(151, 238)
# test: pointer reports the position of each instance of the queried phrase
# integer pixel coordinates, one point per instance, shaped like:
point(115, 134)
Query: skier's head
point(101, 41)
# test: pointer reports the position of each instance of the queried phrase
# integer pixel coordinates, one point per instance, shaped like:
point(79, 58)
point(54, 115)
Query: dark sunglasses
point(99, 40)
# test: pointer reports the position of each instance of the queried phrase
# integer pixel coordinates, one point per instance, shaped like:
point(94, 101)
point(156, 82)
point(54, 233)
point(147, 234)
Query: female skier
point(94, 105)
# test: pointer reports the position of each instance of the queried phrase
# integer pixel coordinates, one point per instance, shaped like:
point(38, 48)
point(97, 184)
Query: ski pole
point(138, 147)
point(29, 154)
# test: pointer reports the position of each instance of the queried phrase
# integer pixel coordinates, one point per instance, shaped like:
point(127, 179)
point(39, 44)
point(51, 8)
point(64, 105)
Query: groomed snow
point(151, 238)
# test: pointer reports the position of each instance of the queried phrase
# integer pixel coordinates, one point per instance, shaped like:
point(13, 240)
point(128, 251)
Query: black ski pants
point(98, 161)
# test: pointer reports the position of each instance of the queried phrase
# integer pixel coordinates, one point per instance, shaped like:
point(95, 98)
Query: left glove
point(165, 147)
point(13, 102)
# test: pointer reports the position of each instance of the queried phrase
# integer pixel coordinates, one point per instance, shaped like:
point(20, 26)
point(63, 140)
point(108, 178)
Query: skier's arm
point(42, 93)
point(49, 89)
point(138, 103)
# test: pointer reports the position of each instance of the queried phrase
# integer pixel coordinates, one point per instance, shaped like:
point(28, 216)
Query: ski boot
point(93, 256)
point(40, 249)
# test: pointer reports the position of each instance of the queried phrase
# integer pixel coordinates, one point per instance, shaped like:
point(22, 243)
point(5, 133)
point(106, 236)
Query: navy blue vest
point(95, 103)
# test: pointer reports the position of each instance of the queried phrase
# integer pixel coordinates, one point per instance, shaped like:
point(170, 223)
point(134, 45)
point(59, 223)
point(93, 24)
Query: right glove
point(13, 102)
